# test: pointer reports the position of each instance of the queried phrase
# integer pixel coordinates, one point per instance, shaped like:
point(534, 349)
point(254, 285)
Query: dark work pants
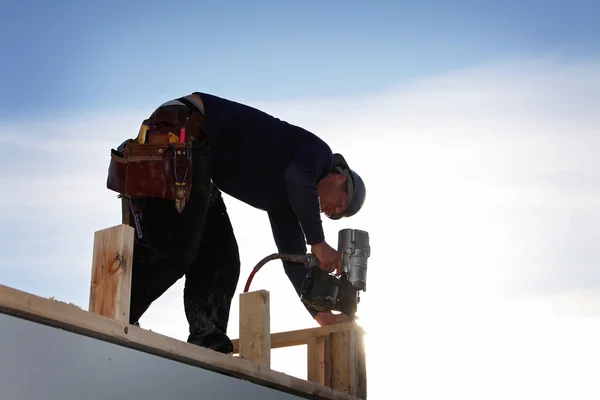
point(198, 244)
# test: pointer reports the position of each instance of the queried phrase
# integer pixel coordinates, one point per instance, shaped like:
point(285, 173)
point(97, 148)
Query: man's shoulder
point(318, 148)
point(249, 118)
point(220, 104)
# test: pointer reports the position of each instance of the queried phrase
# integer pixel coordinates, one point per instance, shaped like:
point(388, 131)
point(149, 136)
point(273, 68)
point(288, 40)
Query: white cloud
point(483, 203)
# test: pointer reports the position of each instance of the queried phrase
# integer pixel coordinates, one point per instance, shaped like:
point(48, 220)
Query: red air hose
point(249, 280)
point(298, 258)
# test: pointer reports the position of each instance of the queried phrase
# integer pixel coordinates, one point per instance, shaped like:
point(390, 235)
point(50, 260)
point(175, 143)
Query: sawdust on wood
point(64, 302)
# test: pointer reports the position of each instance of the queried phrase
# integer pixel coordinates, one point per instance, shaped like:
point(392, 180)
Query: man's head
point(342, 192)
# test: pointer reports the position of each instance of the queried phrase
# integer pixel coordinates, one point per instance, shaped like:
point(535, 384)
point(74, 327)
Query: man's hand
point(329, 259)
point(329, 318)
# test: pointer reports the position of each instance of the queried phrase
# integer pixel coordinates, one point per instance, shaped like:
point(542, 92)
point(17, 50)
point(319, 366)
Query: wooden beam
point(300, 337)
point(110, 290)
point(255, 327)
point(64, 316)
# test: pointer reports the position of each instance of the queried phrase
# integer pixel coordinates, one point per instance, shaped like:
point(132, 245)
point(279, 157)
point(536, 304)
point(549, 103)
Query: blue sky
point(474, 124)
point(69, 56)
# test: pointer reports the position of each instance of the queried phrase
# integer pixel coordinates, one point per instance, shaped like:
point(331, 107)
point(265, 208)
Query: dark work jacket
point(273, 166)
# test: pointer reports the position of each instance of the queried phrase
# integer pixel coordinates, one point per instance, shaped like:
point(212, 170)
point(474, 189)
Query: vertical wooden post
point(318, 360)
point(255, 327)
point(344, 362)
point(110, 291)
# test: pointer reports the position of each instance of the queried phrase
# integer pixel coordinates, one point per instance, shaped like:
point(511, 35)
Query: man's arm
point(289, 238)
point(311, 163)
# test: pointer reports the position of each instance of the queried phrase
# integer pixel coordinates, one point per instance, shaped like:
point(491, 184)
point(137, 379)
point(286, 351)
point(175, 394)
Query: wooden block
point(348, 364)
point(318, 360)
point(110, 291)
point(255, 327)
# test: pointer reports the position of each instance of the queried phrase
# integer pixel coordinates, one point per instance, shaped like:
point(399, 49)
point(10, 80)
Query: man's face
point(331, 195)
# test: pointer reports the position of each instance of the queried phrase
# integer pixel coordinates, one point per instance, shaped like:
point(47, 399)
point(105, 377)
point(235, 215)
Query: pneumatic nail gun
point(322, 291)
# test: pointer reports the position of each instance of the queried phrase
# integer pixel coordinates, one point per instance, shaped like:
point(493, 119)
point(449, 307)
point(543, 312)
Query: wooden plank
point(318, 360)
point(110, 290)
point(255, 327)
point(300, 337)
point(73, 319)
point(348, 364)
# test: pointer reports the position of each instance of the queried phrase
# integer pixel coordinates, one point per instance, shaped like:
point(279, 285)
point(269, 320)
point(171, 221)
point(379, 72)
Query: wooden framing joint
point(335, 353)
point(337, 360)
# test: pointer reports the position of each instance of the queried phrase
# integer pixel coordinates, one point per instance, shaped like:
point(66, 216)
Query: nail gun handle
point(312, 261)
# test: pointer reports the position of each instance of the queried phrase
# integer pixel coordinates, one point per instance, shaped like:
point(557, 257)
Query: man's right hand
point(329, 259)
point(329, 318)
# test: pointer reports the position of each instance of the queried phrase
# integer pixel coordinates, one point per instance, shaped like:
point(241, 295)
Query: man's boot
point(203, 331)
point(214, 340)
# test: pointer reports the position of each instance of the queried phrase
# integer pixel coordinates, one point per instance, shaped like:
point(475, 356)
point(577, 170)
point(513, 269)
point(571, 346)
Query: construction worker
point(262, 161)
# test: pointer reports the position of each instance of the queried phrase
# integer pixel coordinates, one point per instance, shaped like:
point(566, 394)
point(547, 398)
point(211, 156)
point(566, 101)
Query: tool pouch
point(159, 170)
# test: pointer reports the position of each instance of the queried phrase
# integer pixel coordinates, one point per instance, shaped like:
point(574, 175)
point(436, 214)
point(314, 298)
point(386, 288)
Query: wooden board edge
point(300, 337)
point(73, 319)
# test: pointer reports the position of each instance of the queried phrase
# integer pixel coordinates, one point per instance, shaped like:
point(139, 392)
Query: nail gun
point(323, 291)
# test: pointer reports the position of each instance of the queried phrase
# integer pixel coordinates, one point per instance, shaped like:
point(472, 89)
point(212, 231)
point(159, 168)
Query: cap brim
point(339, 160)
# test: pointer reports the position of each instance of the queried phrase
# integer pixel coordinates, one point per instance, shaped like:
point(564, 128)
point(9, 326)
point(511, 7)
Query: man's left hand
point(329, 318)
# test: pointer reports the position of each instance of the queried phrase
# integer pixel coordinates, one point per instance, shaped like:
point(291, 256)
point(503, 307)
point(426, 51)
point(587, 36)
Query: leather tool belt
point(158, 162)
